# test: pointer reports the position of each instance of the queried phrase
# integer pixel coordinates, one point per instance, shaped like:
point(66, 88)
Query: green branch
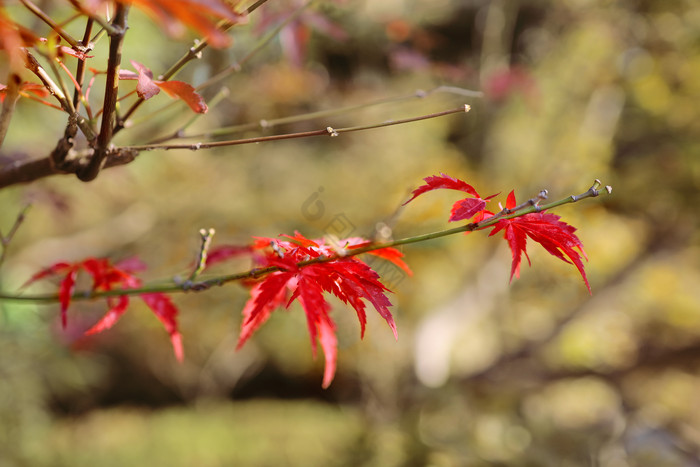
point(530, 206)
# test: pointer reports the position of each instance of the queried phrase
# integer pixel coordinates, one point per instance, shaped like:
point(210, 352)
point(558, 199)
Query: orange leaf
point(185, 92)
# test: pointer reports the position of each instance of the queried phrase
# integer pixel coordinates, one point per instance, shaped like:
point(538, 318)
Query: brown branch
point(35, 67)
point(25, 172)
point(110, 100)
point(80, 69)
point(31, 171)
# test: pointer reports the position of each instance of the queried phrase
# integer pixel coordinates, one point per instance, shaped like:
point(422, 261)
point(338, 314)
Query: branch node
point(331, 132)
point(467, 108)
point(276, 248)
point(195, 51)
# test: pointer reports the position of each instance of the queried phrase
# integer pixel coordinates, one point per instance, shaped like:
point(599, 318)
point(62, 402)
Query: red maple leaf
point(463, 209)
point(348, 278)
point(148, 87)
point(555, 236)
point(105, 277)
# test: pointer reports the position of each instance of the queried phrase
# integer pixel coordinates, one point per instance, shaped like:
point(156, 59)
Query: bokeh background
point(536, 372)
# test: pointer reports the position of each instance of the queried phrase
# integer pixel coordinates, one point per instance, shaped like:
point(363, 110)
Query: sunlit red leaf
point(255, 315)
point(166, 312)
point(390, 254)
point(329, 344)
point(348, 278)
point(436, 182)
point(463, 209)
point(555, 236)
point(52, 270)
point(466, 208)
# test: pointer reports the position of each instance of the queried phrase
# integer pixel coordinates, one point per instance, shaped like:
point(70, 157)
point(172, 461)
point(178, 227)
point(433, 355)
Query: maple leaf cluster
point(107, 277)
point(295, 268)
point(348, 278)
point(554, 235)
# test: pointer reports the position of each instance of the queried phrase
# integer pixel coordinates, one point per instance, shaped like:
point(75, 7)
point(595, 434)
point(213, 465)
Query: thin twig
point(179, 133)
point(55, 90)
point(29, 171)
point(80, 68)
point(328, 131)
point(6, 239)
point(172, 287)
point(38, 12)
point(110, 29)
point(270, 123)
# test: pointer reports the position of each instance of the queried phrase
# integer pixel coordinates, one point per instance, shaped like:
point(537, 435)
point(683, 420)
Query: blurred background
point(534, 373)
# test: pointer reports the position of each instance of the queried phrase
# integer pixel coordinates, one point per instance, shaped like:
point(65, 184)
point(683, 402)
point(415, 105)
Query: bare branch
point(110, 100)
point(328, 131)
point(39, 13)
